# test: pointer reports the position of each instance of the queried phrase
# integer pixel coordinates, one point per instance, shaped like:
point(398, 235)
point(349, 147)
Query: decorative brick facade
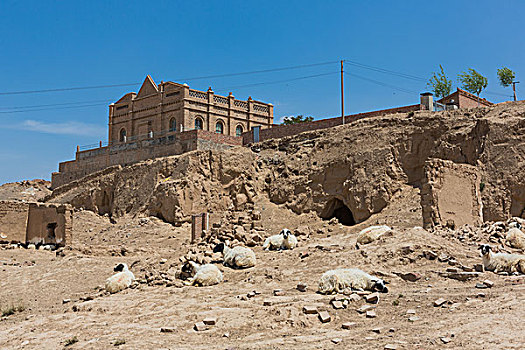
point(171, 107)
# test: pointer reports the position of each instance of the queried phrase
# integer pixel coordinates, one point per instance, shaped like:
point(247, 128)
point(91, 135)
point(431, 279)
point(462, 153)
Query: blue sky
point(60, 44)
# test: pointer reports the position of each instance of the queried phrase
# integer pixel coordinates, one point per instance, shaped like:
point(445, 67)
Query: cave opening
point(335, 208)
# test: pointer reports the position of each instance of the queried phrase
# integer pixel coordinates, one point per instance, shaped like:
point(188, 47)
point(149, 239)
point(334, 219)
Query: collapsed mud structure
point(347, 172)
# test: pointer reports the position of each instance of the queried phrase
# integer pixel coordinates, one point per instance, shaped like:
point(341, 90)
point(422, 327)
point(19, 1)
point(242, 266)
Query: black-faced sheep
point(121, 280)
point(201, 275)
point(502, 262)
point(289, 241)
point(346, 280)
point(237, 257)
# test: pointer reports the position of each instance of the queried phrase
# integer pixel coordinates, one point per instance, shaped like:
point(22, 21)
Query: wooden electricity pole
point(514, 88)
point(342, 93)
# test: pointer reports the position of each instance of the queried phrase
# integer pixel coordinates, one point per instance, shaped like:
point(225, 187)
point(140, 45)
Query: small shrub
point(12, 309)
point(410, 114)
point(481, 186)
point(71, 341)
point(400, 296)
point(119, 342)
point(395, 302)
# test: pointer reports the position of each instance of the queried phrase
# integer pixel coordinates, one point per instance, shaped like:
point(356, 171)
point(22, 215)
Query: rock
point(267, 302)
point(363, 292)
point(452, 262)
point(209, 321)
point(430, 255)
point(479, 268)
point(515, 238)
point(480, 295)
point(372, 298)
point(481, 286)
point(376, 330)
point(488, 283)
point(309, 309)
point(337, 340)
point(65, 301)
point(303, 255)
point(443, 257)
point(413, 318)
point(365, 308)
point(324, 317)
point(439, 302)
point(452, 270)
point(390, 347)
point(372, 233)
point(411, 312)
point(348, 325)
point(200, 326)
point(278, 292)
point(391, 330)
point(256, 215)
point(445, 340)
point(257, 238)
point(461, 276)
point(337, 304)
point(410, 276)
point(303, 230)
point(354, 297)
point(301, 287)
point(167, 330)
point(250, 294)
point(371, 314)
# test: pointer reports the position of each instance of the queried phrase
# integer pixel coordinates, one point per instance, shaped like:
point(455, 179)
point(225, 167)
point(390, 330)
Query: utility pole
point(514, 88)
point(342, 93)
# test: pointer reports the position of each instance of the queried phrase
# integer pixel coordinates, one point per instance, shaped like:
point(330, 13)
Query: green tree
point(473, 82)
point(297, 119)
point(506, 76)
point(440, 84)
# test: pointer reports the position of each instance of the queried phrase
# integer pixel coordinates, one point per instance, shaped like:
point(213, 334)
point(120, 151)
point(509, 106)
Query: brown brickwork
point(278, 131)
point(464, 99)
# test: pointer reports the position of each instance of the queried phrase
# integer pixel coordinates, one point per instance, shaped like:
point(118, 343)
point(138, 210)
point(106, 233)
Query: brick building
point(464, 99)
point(171, 107)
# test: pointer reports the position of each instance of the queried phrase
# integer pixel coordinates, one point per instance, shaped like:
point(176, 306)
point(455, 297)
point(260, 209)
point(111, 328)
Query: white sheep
point(372, 233)
point(121, 280)
point(345, 280)
point(502, 262)
point(274, 242)
point(515, 237)
point(289, 241)
point(237, 257)
point(201, 275)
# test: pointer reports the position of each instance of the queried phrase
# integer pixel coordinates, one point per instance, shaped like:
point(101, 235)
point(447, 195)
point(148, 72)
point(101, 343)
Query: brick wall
point(90, 161)
point(278, 131)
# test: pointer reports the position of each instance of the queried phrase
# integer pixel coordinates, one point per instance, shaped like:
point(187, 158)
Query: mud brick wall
point(451, 193)
point(13, 221)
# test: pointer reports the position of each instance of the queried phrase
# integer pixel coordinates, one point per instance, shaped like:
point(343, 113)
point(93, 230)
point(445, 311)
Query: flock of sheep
point(332, 281)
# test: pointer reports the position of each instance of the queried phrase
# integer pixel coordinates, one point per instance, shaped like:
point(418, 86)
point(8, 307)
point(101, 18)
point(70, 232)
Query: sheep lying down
point(201, 275)
point(284, 240)
point(236, 257)
point(121, 280)
point(502, 262)
point(346, 280)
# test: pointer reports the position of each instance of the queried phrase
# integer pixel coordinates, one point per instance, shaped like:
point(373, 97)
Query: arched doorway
point(122, 135)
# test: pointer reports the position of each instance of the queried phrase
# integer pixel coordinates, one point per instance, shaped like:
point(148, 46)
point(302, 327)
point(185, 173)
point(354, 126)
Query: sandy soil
point(41, 280)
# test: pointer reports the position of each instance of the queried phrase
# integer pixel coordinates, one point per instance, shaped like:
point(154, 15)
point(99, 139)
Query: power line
point(55, 104)
point(411, 92)
point(188, 79)
point(386, 71)
point(87, 103)
point(51, 109)
point(276, 81)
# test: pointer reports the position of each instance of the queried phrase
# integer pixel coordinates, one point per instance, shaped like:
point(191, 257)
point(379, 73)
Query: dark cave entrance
point(335, 208)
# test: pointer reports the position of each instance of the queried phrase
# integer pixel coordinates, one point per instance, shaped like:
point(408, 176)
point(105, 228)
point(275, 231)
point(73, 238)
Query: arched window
point(219, 127)
point(238, 130)
point(198, 123)
point(173, 125)
point(122, 134)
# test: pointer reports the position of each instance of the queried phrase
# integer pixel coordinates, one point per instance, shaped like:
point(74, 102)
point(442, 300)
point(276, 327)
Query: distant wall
point(278, 131)
point(13, 221)
point(93, 160)
point(22, 222)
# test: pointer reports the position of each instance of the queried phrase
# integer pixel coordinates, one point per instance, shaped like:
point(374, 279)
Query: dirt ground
point(41, 282)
